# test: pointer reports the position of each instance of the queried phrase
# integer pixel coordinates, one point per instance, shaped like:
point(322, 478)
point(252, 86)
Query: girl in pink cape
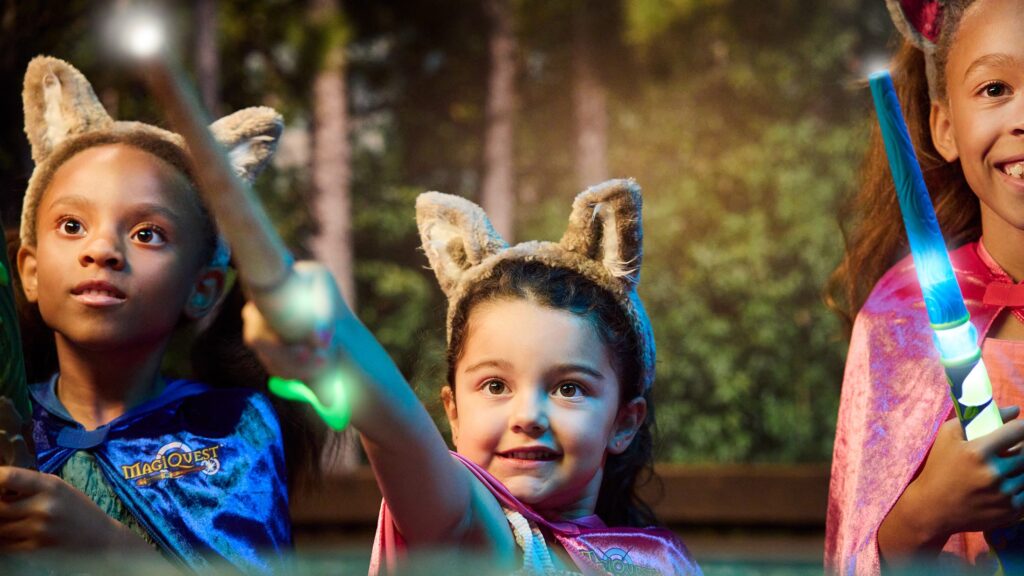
point(550, 367)
point(905, 483)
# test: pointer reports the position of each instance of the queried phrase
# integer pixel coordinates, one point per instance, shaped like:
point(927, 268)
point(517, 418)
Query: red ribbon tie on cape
point(1003, 294)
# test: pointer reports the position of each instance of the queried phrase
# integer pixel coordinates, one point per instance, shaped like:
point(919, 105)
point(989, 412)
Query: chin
point(529, 491)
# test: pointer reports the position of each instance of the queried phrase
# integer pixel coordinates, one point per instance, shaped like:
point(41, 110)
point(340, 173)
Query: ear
point(919, 21)
point(28, 272)
point(627, 423)
point(250, 137)
point(448, 398)
point(59, 103)
point(943, 134)
point(605, 226)
point(456, 236)
point(206, 293)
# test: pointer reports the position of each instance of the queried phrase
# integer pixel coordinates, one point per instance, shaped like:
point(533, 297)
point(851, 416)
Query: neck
point(1004, 242)
point(98, 386)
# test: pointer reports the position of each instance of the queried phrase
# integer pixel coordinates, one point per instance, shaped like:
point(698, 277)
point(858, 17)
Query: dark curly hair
point(618, 502)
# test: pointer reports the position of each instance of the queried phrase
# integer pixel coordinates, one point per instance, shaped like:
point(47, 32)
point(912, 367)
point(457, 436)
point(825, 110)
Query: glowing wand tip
point(138, 33)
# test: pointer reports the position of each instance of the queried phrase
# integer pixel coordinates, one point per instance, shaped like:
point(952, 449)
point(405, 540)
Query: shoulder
point(226, 411)
point(897, 300)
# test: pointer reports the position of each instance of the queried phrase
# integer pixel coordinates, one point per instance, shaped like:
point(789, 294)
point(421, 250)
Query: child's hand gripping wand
point(955, 336)
point(295, 305)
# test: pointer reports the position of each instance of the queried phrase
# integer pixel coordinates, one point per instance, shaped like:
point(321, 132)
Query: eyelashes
point(146, 233)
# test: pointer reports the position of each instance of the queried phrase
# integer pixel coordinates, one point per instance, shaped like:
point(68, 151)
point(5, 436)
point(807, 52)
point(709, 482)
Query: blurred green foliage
point(742, 121)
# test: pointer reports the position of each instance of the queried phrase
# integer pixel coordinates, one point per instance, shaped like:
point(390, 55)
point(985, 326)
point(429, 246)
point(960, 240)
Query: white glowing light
point(139, 33)
point(874, 62)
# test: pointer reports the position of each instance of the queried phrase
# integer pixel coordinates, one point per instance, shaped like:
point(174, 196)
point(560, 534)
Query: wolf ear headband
point(920, 22)
point(64, 117)
point(603, 242)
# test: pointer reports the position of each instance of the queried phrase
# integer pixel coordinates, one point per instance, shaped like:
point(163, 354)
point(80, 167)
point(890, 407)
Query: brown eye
point(150, 236)
point(495, 387)
point(996, 89)
point(569, 390)
point(71, 227)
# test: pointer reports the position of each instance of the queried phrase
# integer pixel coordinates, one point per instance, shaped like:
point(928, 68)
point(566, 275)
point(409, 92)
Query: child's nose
point(1017, 126)
point(530, 415)
point(102, 251)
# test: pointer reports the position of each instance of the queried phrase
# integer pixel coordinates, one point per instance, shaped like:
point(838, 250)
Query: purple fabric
point(894, 399)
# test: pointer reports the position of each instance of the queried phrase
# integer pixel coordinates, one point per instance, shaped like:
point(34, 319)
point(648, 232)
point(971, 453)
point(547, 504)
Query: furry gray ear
point(59, 103)
point(605, 227)
point(250, 137)
point(456, 236)
point(920, 22)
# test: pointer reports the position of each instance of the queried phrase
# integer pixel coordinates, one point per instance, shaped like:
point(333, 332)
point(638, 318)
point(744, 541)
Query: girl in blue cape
point(118, 253)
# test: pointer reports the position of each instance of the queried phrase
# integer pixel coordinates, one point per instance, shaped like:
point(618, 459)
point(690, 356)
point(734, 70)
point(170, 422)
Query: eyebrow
point(580, 368)
point(993, 60)
point(72, 200)
point(559, 369)
point(500, 364)
point(144, 209)
point(139, 210)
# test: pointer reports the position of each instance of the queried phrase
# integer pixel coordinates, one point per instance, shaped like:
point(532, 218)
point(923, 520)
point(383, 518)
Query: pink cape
point(894, 399)
point(595, 548)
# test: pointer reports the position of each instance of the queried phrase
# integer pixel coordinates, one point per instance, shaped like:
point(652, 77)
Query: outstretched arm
point(433, 498)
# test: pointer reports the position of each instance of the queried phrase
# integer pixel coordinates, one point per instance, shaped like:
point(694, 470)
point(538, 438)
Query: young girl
point(905, 483)
point(550, 366)
point(118, 253)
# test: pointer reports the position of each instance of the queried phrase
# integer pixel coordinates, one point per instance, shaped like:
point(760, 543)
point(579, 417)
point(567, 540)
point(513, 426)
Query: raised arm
point(433, 498)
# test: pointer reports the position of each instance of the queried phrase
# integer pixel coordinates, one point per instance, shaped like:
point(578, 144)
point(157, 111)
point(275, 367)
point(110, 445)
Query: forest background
point(744, 122)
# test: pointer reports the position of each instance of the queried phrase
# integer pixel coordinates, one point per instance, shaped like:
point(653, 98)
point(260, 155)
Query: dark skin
point(978, 485)
point(111, 213)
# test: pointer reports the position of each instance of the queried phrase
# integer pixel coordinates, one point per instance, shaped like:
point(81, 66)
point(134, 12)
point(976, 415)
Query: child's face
point(118, 250)
point(983, 123)
point(536, 404)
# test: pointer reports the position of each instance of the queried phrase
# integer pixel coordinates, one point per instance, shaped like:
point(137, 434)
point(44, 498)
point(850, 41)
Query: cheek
point(479, 427)
point(588, 433)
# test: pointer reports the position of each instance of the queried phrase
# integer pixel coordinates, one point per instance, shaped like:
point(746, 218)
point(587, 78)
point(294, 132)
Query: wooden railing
point(713, 495)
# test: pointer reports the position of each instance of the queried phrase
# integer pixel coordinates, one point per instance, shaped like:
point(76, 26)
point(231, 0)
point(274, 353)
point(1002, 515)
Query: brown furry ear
point(59, 103)
point(605, 226)
point(250, 137)
point(456, 236)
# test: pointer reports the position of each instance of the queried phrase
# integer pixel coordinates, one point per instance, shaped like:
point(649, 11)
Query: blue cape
point(201, 469)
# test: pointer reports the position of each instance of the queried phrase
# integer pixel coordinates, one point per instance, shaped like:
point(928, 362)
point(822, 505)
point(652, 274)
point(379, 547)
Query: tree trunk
point(498, 194)
point(208, 56)
point(332, 243)
point(590, 101)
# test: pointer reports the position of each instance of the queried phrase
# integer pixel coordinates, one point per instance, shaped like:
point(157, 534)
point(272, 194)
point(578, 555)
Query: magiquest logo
point(173, 460)
point(617, 561)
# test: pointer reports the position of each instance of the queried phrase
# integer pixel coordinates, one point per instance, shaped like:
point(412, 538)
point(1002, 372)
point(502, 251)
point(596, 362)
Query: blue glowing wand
point(955, 336)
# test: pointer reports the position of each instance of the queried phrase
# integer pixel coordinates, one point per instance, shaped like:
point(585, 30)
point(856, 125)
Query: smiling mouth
point(533, 454)
point(1014, 169)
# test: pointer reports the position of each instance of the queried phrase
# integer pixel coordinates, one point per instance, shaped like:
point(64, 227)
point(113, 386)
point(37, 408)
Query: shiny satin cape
point(894, 398)
point(227, 505)
point(593, 547)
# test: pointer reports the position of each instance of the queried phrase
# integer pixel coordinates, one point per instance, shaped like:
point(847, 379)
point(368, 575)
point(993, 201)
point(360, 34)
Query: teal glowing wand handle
point(954, 335)
point(294, 305)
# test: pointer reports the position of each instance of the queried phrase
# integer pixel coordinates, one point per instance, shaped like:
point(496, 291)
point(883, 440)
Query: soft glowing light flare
point(139, 32)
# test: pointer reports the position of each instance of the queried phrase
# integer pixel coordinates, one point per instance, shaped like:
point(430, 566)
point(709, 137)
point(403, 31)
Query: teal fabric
point(82, 472)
